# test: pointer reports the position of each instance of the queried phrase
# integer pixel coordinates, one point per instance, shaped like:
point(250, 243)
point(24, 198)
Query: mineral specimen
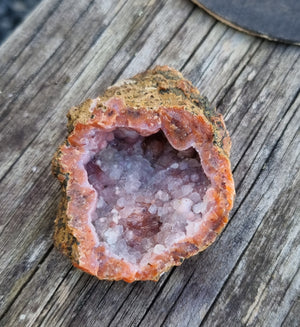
point(146, 178)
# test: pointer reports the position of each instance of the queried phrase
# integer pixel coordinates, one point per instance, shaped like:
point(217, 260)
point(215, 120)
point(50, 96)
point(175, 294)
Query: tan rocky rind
point(158, 99)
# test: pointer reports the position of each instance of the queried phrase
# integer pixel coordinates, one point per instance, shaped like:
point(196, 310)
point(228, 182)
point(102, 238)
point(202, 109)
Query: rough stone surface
point(145, 176)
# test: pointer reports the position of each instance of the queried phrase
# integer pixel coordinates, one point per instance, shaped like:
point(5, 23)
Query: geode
point(146, 178)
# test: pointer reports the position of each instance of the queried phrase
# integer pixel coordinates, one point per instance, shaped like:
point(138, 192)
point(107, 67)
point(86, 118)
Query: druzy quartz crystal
point(145, 175)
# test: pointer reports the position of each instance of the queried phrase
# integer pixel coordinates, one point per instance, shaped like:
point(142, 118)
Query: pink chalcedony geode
point(145, 176)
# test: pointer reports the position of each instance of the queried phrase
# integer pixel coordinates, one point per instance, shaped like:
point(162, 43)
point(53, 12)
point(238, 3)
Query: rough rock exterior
point(158, 103)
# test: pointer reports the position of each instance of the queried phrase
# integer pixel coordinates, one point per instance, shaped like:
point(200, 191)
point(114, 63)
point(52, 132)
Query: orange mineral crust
point(146, 178)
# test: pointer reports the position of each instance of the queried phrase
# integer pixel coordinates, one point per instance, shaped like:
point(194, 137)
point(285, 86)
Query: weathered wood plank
point(212, 268)
point(256, 85)
point(184, 43)
point(48, 82)
point(264, 296)
point(47, 281)
point(22, 184)
point(68, 301)
point(32, 170)
point(172, 299)
point(27, 240)
point(292, 318)
point(85, 80)
point(144, 47)
point(237, 154)
point(243, 215)
point(21, 37)
point(34, 80)
point(12, 189)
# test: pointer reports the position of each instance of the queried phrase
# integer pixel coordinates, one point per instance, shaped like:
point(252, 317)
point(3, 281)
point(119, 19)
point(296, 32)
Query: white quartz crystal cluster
point(147, 194)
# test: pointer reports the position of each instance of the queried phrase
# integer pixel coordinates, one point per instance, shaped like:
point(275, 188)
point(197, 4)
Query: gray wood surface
point(67, 51)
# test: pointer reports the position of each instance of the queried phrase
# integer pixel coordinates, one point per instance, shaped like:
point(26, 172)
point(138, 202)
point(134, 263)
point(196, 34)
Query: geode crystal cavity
point(146, 178)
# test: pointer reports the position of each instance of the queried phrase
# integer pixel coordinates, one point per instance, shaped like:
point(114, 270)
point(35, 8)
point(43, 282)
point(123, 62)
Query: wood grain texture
point(64, 53)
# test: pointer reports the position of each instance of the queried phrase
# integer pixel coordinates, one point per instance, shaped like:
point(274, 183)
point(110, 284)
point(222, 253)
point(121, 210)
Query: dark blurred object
point(12, 13)
point(278, 20)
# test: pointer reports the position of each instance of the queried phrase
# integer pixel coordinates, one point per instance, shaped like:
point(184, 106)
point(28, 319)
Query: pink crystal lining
point(148, 195)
